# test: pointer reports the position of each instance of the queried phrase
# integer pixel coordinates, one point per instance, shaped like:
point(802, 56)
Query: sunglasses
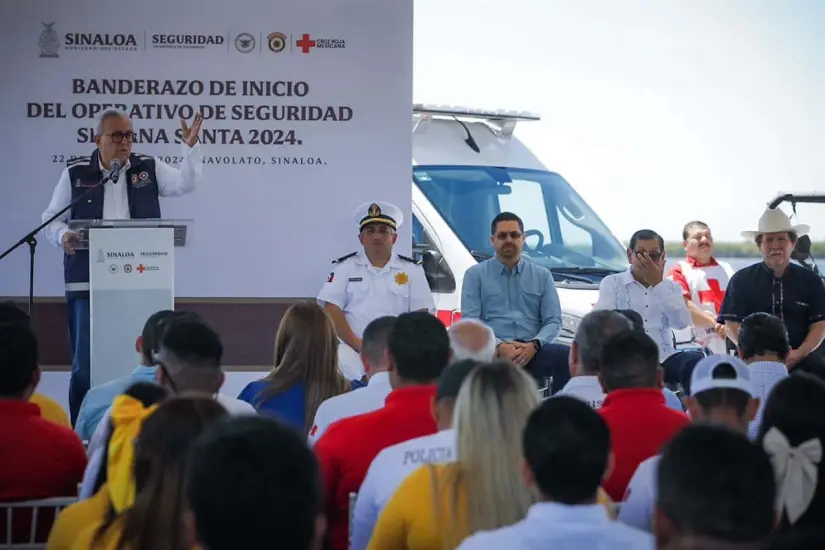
point(515, 235)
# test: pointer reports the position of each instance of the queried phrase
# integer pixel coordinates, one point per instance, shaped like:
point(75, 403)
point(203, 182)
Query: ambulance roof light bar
point(501, 121)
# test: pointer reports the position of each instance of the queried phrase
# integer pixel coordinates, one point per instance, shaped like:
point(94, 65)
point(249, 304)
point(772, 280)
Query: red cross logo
point(141, 268)
point(305, 43)
point(713, 296)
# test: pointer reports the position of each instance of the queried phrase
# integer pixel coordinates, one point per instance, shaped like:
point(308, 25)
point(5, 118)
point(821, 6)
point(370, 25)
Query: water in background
point(739, 263)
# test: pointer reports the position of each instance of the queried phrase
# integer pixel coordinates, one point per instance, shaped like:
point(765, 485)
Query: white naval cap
point(378, 212)
point(705, 376)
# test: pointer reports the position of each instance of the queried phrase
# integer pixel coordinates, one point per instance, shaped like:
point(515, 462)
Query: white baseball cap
point(703, 377)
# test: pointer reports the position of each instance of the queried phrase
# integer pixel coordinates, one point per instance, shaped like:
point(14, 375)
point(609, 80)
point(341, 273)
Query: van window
point(440, 277)
point(562, 230)
point(527, 201)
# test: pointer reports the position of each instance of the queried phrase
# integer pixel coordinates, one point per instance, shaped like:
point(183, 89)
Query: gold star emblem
point(401, 278)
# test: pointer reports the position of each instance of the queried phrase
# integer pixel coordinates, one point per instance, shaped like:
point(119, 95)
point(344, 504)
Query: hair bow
point(128, 415)
point(796, 470)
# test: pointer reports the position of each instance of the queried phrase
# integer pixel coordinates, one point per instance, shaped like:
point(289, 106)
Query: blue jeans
point(79, 333)
point(551, 361)
point(679, 367)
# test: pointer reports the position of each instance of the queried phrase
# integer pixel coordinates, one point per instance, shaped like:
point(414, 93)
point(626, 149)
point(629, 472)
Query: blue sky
point(657, 112)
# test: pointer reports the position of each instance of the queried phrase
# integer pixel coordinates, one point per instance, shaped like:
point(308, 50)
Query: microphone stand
point(32, 241)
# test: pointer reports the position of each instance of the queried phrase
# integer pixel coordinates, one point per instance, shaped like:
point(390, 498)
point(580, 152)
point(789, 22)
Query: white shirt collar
point(379, 380)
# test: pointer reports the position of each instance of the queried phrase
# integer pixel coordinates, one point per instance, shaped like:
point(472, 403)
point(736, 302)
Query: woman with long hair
point(437, 506)
point(306, 368)
point(145, 477)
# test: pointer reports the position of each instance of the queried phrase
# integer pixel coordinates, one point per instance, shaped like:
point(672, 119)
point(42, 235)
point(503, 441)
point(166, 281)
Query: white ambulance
point(468, 166)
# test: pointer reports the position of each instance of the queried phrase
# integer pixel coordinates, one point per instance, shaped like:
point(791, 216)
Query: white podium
point(131, 276)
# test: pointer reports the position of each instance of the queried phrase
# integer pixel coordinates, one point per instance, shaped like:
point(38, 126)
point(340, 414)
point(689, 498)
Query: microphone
point(114, 170)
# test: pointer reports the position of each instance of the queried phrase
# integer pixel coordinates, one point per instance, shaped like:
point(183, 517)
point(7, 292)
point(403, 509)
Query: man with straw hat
point(788, 291)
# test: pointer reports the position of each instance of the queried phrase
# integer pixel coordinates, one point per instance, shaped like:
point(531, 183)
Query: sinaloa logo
point(111, 255)
point(49, 41)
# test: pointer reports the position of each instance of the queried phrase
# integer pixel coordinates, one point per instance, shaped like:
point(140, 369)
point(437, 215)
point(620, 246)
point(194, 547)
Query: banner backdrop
point(307, 107)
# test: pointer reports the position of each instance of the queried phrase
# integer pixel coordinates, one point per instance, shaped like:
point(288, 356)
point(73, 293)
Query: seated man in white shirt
point(722, 394)
point(472, 339)
point(392, 465)
point(595, 329)
point(375, 361)
point(660, 301)
point(564, 435)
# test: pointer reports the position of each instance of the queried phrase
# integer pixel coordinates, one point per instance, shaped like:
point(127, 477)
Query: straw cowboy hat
point(775, 220)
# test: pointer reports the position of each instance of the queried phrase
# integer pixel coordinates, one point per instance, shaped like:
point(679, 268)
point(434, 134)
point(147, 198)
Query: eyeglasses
point(515, 235)
point(655, 256)
point(118, 137)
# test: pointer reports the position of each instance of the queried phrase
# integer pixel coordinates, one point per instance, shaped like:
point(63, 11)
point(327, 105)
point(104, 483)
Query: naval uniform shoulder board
point(411, 260)
point(342, 258)
point(78, 160)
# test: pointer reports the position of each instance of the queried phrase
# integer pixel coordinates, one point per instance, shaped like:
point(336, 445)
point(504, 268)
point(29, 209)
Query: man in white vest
point(704, 280)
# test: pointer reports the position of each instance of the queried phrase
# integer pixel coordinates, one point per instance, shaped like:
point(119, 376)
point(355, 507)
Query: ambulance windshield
point(562, 232)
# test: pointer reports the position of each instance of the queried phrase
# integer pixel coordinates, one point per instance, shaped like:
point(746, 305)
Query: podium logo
point(100, 256)
point(113, 268)
point(117, 255)
point(127, 268)
point(142, 268)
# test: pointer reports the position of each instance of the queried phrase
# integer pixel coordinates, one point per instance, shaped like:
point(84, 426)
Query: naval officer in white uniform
point(372, 283)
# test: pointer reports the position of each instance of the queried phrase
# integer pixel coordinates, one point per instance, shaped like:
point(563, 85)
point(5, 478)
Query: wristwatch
point(536, 344)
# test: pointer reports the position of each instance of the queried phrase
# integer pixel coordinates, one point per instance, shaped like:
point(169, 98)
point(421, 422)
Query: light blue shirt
point(553, 525)
point(518, 304)
point(100, 398)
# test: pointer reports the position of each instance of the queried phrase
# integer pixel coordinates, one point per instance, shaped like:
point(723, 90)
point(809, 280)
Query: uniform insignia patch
point(331, 277)
point(401, 278)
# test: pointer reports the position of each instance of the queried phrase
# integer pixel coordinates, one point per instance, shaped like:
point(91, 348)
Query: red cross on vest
point(713, 296)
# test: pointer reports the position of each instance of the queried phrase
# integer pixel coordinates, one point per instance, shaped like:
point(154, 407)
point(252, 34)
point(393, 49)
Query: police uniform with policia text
point(365, 292)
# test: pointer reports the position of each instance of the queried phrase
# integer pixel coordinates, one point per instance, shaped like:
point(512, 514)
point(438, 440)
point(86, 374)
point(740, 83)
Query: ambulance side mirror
point(439, 276)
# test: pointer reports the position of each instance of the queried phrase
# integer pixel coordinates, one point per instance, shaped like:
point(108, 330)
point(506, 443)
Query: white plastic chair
point(35, 506)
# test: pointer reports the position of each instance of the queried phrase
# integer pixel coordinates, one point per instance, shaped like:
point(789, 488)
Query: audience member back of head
point(252, 480)
point(714, 487)
point(640, 422)
point(472, 339)
point(793, 419)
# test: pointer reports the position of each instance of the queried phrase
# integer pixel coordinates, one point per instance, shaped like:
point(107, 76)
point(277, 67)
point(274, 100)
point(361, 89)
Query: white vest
point(707, 289)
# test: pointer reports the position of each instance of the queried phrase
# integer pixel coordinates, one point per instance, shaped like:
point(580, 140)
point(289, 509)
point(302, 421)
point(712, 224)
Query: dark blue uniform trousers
point(79, 333)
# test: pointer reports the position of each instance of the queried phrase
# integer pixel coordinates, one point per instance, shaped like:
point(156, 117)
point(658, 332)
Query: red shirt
point(38, 458)
point(346, 450)
point(640, 425)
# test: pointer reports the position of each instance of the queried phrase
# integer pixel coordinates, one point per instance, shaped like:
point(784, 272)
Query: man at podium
point(372, 283)
point(129, 186)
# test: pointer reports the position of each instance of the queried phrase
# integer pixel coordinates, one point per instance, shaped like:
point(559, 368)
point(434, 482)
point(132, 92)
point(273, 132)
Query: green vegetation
point(738, 249)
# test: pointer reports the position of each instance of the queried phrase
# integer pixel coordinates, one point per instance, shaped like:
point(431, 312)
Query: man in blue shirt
point(98, 400)
point(518, 299)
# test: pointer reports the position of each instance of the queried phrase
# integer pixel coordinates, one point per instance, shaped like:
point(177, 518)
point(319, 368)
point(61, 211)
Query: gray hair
point(107, 114)
point(460, 351)
point(595, 329)
point(375, 339)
